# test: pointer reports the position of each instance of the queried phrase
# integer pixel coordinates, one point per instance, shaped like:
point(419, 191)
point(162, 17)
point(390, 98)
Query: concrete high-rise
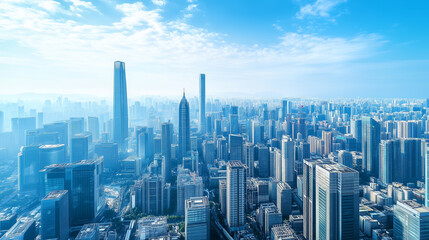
point(327, 138)
point(120, 106)
point(370, 146)
point(337, 202)
point(288, 160)
point(150, 194)
point(202, 112)
point(188, 185)
point(184, 128)
point(55, 215)
point(235, 195)
point(197, 218)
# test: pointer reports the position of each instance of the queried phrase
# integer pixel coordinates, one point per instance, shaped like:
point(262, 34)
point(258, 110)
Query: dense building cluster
point(197, 168)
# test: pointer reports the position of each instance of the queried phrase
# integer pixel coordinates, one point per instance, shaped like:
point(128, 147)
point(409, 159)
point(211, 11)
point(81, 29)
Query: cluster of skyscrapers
point(202, 168)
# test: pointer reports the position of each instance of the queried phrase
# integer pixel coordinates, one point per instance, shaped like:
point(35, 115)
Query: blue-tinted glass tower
point(55, 215)
point(184, 128)
point(120, 107)
point(370, 146)
point(202, 116)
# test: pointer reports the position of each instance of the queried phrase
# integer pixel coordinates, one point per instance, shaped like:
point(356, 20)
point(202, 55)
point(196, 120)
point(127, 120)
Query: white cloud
point(160, 50)
point(80, 5)
point(320, 8)
point(191, 7)
point(159, 2)
point(50, 6)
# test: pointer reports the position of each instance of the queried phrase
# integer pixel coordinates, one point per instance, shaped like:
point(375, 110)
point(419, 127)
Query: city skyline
point(310, 46)
point(274, 119)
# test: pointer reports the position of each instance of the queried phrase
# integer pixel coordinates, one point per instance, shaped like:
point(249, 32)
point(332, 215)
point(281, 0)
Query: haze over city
point(204, 120)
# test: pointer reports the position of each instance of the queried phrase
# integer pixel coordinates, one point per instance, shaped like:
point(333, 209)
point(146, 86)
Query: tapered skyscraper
point(120, 106)
point(184, 128)
point(202, 118)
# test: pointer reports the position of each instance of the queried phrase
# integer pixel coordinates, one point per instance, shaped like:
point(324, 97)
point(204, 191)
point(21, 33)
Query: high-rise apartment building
point(288, 160)
point(188, 185)
point(235, 195)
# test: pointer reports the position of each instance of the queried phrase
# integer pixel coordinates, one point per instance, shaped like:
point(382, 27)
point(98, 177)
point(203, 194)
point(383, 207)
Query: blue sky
point(247, 48)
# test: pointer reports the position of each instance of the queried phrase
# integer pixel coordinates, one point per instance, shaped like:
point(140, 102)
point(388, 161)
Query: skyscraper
point(249, 158)
point(202, 113)
point(309, 197)
point(184, 128)
point(337, 202)
point(284, 198)
point(120, 106)
point(370, 146)
point(166, 139)
point(411, 221)
point(109, 151)
point(28, 167)
point(79, 147)
point(235, 195)
point(283, 109)
point(82, 180)
point(235, 147)
point(150, 194)
point(327, 138)
point(197, 218)
point(264, 161)
point(426, 168)
point(188, 185)
point(356, 131)
point(94, 128)
point(55, 215)
point(288, 160)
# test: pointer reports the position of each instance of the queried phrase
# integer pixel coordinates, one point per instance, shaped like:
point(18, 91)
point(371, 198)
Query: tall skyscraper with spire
point(184, 128)
point(202, 117)
point(120, 106)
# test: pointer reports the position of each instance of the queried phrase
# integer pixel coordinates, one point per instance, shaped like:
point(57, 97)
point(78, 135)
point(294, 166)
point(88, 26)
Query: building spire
point(183, 92)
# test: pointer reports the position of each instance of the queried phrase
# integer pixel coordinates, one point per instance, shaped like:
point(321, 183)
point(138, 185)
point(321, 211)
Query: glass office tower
point(55, 215)
point(202, 113)
point(184, 128)
point(197, 218)
point(120, 106)
point(370, 146)
point(337, 202)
